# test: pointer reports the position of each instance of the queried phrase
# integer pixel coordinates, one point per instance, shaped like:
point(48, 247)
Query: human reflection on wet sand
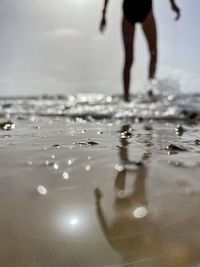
point(131, 234)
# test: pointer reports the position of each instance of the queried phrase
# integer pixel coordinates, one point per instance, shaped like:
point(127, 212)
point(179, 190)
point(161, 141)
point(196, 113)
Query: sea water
point(98, 106)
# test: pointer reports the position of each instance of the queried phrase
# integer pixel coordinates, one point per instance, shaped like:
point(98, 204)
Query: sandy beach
point(81, 193)
point(99, 133)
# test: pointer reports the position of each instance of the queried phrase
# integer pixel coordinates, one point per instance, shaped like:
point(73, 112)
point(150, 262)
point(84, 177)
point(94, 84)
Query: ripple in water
point(96, 106)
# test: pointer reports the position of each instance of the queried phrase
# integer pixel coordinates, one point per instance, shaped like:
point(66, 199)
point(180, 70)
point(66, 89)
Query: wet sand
point(88, 194)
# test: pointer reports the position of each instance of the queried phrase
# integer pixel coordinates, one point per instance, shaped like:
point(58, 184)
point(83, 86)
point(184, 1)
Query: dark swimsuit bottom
point(136, 10)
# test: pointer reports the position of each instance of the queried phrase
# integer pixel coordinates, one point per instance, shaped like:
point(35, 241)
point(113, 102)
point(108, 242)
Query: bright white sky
point(53, 46)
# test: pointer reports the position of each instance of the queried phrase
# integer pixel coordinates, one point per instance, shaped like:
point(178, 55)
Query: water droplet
point(41, 190)
point(87, 168)
point(53, 156)
point(55, 166)
point(179, 130)
point(47, 162)
point(170, 97)
point(71, 161)
point(119, 168)
point(140, 212)
point(83, 131)
point(65, 175)
point(109, 99)
point(89, 157)
point(72, 98)
point(83, 98)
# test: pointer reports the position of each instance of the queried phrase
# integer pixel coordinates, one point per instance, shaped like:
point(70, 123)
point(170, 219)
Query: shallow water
point(96, 106)
point(100, 189)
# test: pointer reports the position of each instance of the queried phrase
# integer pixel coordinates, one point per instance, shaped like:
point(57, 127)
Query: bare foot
point(127, 98)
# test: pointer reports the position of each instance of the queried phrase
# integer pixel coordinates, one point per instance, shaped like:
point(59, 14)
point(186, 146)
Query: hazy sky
point(53, 46)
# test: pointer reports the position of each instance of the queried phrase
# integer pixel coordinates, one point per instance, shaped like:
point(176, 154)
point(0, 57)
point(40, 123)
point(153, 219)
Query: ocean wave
point(99, 106)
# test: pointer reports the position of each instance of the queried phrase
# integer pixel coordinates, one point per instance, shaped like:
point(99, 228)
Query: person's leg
point(128, 39)
point(150, 32)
